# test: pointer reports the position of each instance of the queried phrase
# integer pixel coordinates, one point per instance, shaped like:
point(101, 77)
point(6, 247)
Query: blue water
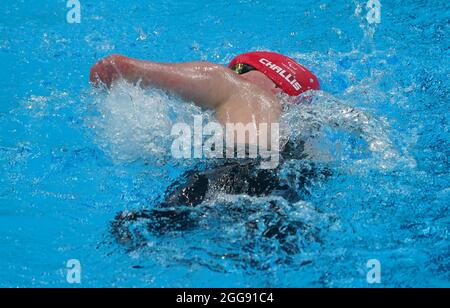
point(70, 158)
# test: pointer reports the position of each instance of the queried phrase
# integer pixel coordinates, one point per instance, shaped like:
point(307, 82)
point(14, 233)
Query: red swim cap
point(290, 76)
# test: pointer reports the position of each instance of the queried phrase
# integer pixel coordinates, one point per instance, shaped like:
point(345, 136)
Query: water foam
point(133, 123)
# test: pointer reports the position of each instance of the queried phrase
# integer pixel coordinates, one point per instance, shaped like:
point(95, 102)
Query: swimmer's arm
point(206, 84)
point(363, 124)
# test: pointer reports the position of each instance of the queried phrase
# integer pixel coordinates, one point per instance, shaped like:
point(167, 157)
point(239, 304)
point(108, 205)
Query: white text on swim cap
point(280, 71)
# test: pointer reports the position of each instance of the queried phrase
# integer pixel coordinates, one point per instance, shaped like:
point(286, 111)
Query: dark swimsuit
point(235, 177)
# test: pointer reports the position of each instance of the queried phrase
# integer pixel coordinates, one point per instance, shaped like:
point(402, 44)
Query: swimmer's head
point(262, 81)
point(285, 74)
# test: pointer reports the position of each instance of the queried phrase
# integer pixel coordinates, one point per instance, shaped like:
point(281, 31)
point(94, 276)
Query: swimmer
point(244, 92)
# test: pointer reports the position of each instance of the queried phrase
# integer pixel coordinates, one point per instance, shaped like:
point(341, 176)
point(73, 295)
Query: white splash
point(133, 123)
